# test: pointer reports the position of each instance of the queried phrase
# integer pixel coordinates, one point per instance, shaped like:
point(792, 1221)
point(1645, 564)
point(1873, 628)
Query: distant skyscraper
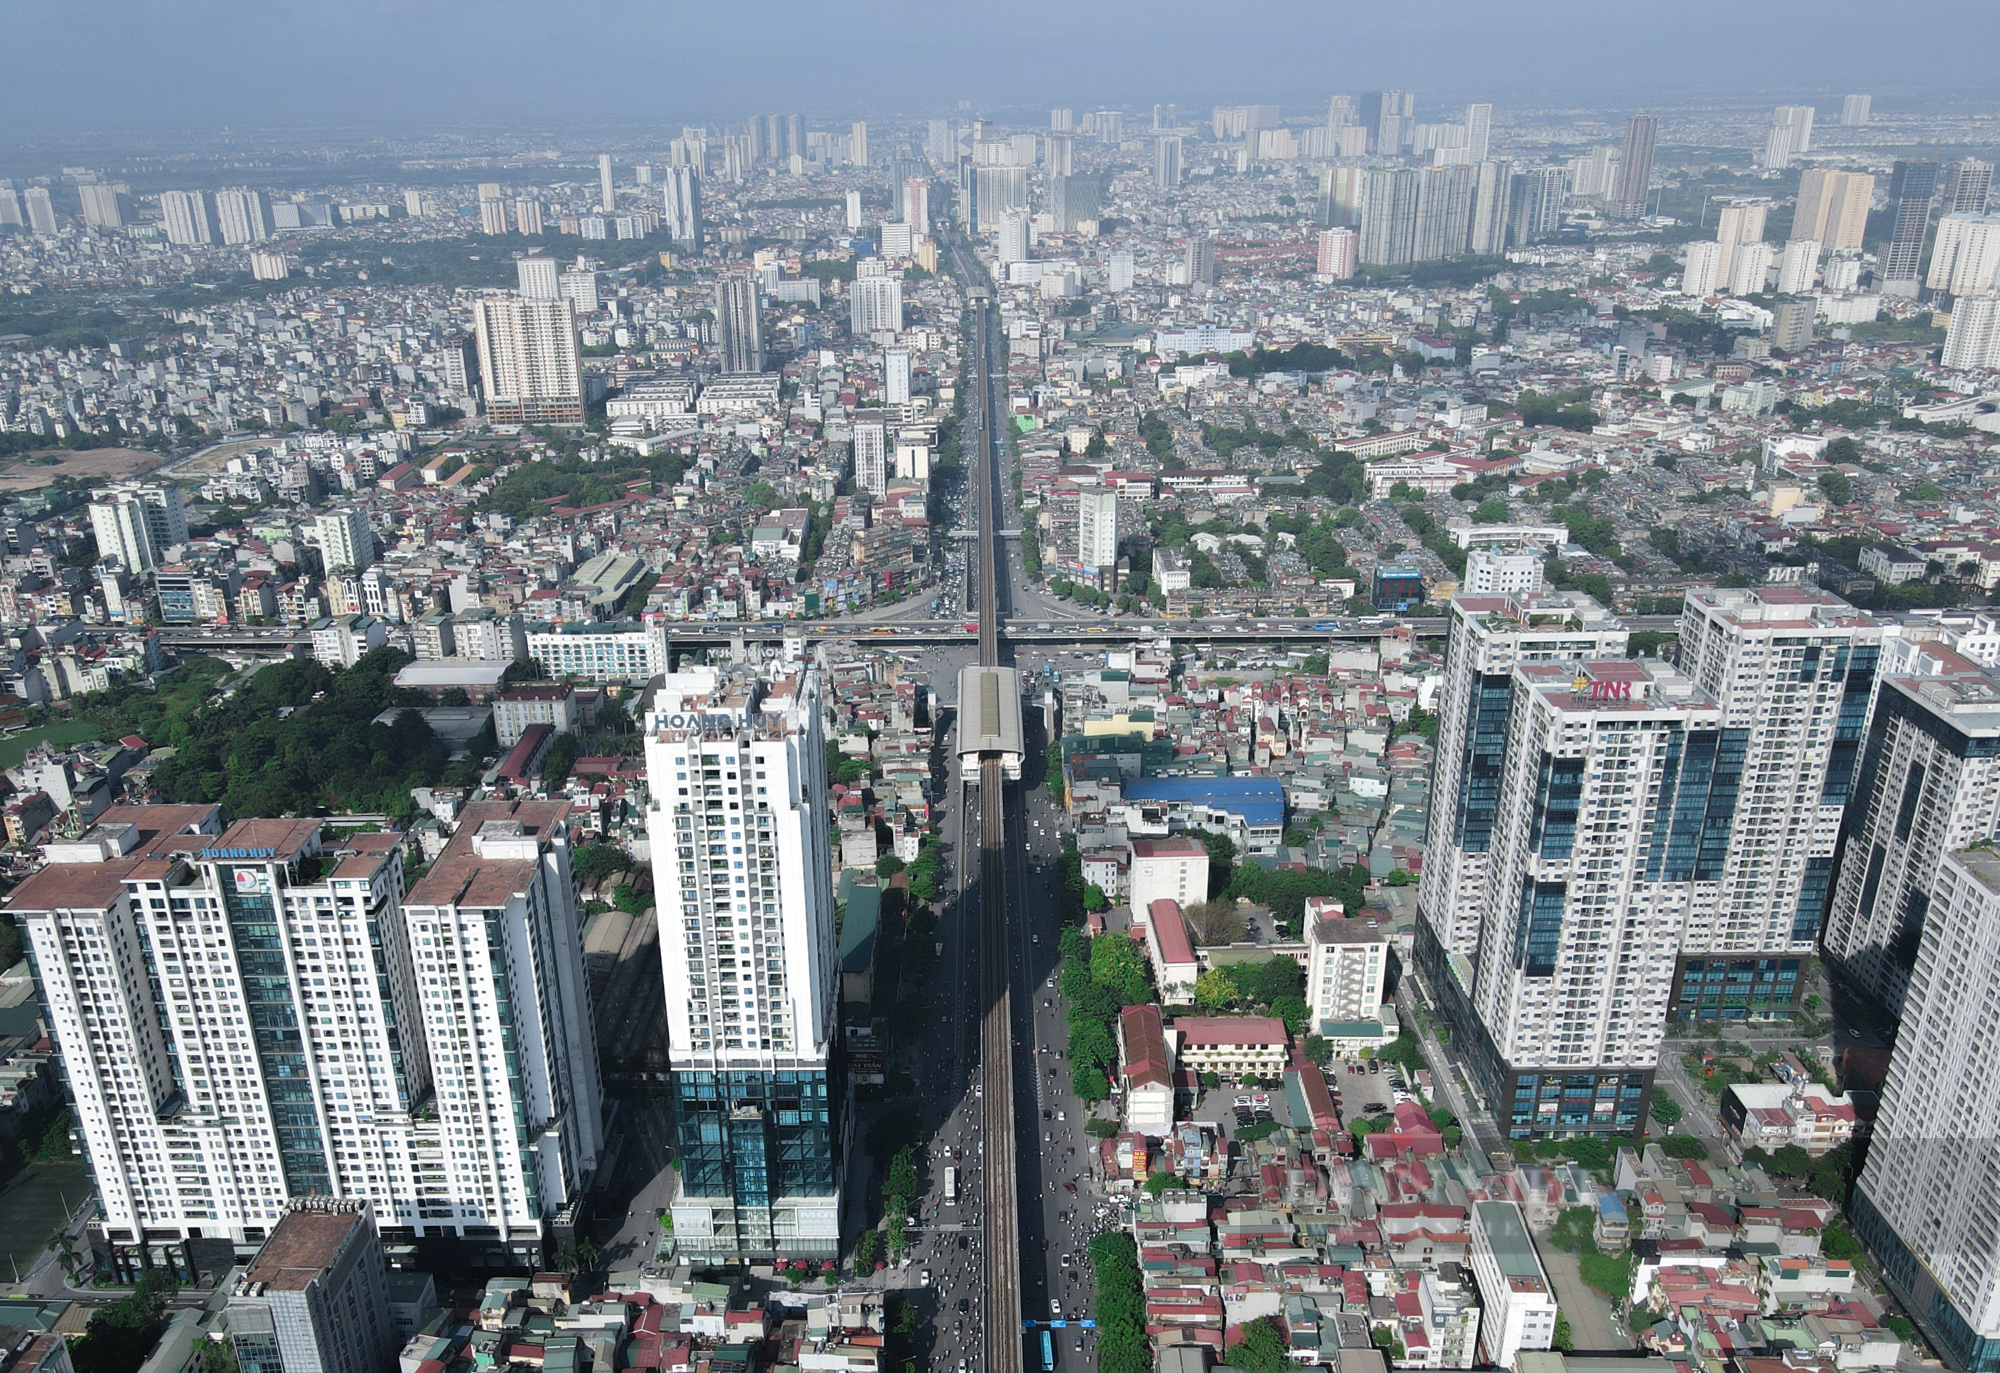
point(1343, 190)
point(528, 217)
point(857, 143)
point(1097, 528)
point(739, 327)
point(105, 207)
point(1973, 339)
point(1167, 162)
point(1478, 131)
point(1797, 266)
point(1199, 260)
point(1061, 155)
point(605, 200)
point(1536, 202)
point(1736, 226)
point(1833, 207)
point(681, 197)
point(1790, 135)
point(137, 525)
point(1964, 187)
point(41, 211)
point(1492, 198)
point(1389, 217)
point(1012, 243)
point(1750, 267)
point(1445, 198)
point(871, 453)
point(1635, 167)
point(184, 218)
point(917, 203)
point(10, 207)
point(854, 209)
point(540, 277)
point(346, 543)
point(1912, 189)
point(875, 304)
point(1701, 276)
point(242, 216)
point(1060, 121)
point(736, 766)
point(1118, 271)
point(492, 215)
point(1074, 199)
point(896, 376)
point(1926, 1199)
point(1965, 255)
point(528, 359)
point(1854, 110)
point(1338, 253)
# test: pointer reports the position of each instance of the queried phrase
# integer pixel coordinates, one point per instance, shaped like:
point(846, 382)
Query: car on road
point(1070, 1187)
point(1055, 1308)
point(924, 1278)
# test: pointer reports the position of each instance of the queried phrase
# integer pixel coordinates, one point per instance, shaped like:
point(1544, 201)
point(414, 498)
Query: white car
point(924, 1278)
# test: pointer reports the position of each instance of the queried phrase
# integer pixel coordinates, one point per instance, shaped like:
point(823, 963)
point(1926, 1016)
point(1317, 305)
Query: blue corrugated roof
point(1259, 800)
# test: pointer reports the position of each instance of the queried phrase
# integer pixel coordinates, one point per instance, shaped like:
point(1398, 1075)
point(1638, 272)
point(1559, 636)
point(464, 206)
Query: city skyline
point(171, 70)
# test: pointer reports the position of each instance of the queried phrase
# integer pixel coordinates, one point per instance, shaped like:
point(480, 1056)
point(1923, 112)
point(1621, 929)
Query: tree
point(1262, 1349)
point(1683, 1146)
point(1117, 963)
point(1491, 511)
point(1090, 1082)
point(888, 865)
point(1214, 922)
point(613, 717)
point(118, 1337)
point(1293, 1011)
point(1562, 1339)
point(1665, 1109)
point(1791, 1161)
point(1837, 487)
point(1215, 990)
point(1221, 859)
point(1094, 898)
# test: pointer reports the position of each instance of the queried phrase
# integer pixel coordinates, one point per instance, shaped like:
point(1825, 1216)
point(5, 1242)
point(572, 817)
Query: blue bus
point(1326, 626)
point(1048, 1353)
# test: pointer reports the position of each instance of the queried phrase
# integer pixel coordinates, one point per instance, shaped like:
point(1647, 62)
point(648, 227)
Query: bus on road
point(951, 1187)
point(1048, 1353)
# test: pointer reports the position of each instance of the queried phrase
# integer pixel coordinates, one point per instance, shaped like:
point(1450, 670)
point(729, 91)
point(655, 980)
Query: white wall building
point(528, 359)
point(736, 768)
point(346, 541)
point(1097, 528)
point(1519, 1307)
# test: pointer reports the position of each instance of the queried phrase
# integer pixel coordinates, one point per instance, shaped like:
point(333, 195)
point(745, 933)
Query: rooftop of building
point(1259, 800)
point(1545, 611)
point(1982, 865)
point(302, 1246)
point(1170, 930)
point(1173, 846)
point(1620, 686)
point(1507, 1236)
point(1759, 606)
point(1969, 697)
point(1355, 930)
point(464, 876)
point(1222, 1030)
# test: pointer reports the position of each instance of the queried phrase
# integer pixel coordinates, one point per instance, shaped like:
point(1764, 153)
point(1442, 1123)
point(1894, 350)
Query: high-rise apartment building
point(1912, 189)
point(492, 215)
point(105, 206)
point(346, 543)
point(1854, 110)
point(896, 376)
point(606, 201)
point(998, 191)
point(875, 304)
point(1927, 1199)
point(1492, 198)
point(1750, 268)
point(1737, 225)
point(1489, 637)
point(540, 277)
point(1635, 167)
point(739, 327)
point(1478, 132)
point(528, 217)
point(1445, 197)
point(871, 453)
point(529, 362)
point(1790, 135)
point(1797, 266)
point(138, 524)
point(1929, 784)
point(1973, 340)
point(736, 769)
point(1603, 841)
point(242, 216)
point(579, 287)
point(184, 218)
point(1701, 276)
point(1198, 260)
point(857, 143)
point(1833, 207)
point(1011, 243)
point(1793, 669)
point(1167, 162)
point(41, 211)
point(1536, 201)
point(1097, 528)
point(681, 197)
point(256, 1016)
point(917, 203)
point(1074, 199)
point(1118, 271)
point(1964, 187)
point(1389, 217)
point(1965, 255)
point(1339, 251)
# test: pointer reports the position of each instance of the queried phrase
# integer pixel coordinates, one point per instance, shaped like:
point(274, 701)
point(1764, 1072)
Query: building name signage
point(1611, 691)
point(239, 853)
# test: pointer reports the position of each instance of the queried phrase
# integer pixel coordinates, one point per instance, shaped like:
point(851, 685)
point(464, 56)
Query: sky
point(147, 66)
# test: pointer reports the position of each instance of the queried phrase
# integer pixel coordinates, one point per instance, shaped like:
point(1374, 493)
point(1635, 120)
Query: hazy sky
point(138, 65)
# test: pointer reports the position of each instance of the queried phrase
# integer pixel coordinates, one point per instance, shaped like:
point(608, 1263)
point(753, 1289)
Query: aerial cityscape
point(1046, 692)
